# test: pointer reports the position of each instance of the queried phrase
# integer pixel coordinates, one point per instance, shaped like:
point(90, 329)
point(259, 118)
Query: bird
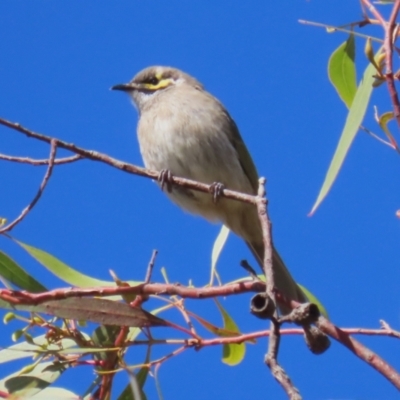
point(185, 130)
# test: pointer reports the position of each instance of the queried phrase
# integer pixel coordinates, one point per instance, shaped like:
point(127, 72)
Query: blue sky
point(57, 63)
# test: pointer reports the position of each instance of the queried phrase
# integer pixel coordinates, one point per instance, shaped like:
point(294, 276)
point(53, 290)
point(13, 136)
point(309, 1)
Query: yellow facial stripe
point(163, 83)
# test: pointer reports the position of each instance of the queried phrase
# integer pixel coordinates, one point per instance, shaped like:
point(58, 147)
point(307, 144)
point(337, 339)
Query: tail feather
point(284, 281)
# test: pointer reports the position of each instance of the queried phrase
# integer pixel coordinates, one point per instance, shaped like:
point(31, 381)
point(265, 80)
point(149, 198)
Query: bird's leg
point(216, 189)
point(165, 178)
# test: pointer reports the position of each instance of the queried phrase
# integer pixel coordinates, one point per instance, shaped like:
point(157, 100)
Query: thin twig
point(277, 371)
point(261, 203)
point(166, 357)
point(271, 358)
point(149, 364)
point(178, 303)
point(35, 162)
point(181, 307)
point(371, 8)
point(340, 29)
point(150, 266)
point(364, 353)
point(25, 211)
point(388, 46)
point(388, 329)
point(379, 139)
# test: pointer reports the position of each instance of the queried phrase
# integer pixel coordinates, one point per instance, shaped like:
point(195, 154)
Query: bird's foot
point(216, 190)
point(165, 178)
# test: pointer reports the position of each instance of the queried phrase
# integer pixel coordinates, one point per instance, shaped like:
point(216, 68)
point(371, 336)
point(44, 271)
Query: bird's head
point(149, 83)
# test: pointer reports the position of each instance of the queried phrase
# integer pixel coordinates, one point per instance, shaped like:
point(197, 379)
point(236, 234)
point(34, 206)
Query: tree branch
point(45, 180)
point(388, 46)
point(361, 351)
point(271, 358)
point(32, 161)
point(124, 166)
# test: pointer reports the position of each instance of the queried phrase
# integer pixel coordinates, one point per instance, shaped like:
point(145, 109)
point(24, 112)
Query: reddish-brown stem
point(111, 363)
point(365, 354)
point(25, 298)
point(388, 46)
point(271, 358)
point(276, 369)
point(370, 7)
point(292, 331)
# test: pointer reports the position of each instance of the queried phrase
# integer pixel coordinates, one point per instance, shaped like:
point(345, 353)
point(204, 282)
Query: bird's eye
point(153, 80)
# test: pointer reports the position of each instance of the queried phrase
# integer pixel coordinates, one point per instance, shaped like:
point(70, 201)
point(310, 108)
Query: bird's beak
point(125, 87)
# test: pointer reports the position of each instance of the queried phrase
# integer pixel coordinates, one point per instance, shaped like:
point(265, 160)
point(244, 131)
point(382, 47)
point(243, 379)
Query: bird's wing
point(244, 156)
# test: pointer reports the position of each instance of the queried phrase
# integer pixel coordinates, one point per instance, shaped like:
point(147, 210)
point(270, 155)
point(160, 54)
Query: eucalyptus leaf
point(353, 122)
point(342, 71)
point(16, 275)
point(62, 270)
point(232, 353)
point(216, 251)
point(101, 311)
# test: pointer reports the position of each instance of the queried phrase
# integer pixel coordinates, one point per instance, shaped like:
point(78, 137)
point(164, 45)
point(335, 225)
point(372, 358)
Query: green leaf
point(216, 251)
point(342, 71)
point(142, 375)
point(353, 122)
point(28, 384)
point(383, 121)
point(133, 391)
point(105, 336)
point(232, 353)
point(101, 311)
point(157, 382)
point(56, 393)
point(16, 275)
point(214, 329)
point(62, 270)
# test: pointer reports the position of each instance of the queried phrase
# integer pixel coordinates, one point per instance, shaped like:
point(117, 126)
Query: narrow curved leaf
point(383, 121)
point(223, 332)
point(216, 251)
point(232, 353)
point(41, 344)
point(157, 382)
point(60, 269)
point(342, 71)
point(101, 311)
point(58, 393)
point(353, 122)
point(28, 384)
point(16, 275)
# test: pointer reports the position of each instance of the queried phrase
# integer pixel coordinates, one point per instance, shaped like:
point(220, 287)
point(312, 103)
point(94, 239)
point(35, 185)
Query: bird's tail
point(284, 281)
